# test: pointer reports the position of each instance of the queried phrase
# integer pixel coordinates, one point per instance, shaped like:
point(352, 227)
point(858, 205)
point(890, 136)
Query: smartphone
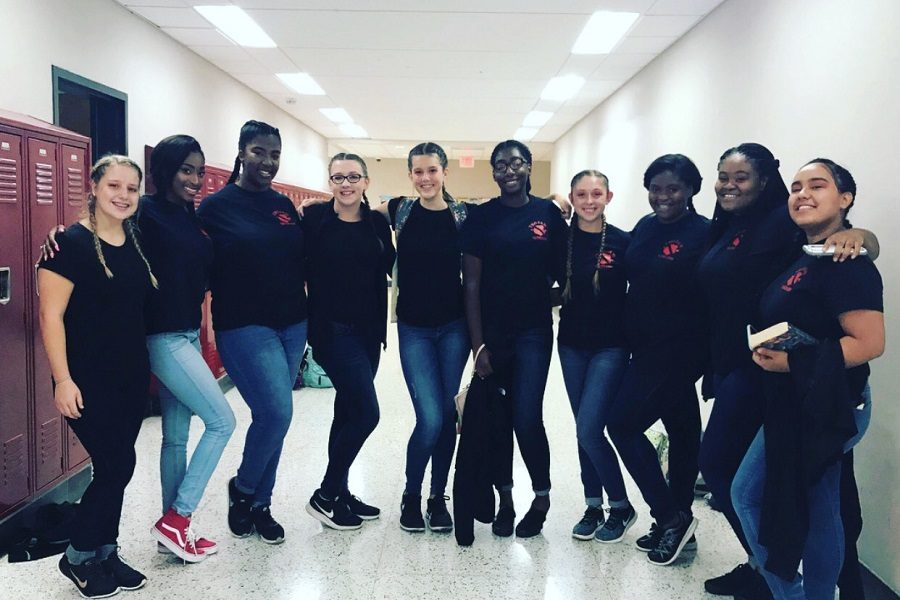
point(819, 250)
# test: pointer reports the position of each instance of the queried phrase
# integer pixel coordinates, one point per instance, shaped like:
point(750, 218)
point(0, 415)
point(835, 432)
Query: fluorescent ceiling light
point(236, 25)
point(353, 130)
point(536, 118)
point(336, 115)
point(301, 83)
point(603, 31)
point(523, 134)
point(562, 88)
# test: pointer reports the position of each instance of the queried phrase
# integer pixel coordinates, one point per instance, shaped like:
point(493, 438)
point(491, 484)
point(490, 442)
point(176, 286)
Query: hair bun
point(777, 163)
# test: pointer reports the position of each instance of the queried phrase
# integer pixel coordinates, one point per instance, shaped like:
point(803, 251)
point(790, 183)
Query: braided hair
point(250, 131)
point(523, 149)
point(97, 172)
point(595, 280)
point(431, 149)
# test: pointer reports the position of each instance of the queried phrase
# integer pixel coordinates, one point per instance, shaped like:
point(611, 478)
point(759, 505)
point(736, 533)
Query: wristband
point(477, 352)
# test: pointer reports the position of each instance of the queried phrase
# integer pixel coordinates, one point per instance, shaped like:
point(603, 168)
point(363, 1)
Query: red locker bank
point(44, 175)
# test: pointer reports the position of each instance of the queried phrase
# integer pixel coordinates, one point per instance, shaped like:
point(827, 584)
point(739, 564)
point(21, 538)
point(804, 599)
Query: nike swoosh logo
point(80, 583)
point(330, 515)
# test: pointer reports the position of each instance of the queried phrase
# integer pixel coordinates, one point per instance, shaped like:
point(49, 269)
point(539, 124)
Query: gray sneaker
point(589, 524)
point(618, 522)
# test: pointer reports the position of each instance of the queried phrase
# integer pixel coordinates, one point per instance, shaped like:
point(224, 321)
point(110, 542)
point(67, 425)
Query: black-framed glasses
point(339, 179)
point(501, 165)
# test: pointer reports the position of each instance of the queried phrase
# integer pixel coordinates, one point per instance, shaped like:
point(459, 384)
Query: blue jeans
point(350, 357)
point(263, 363)
point(187, 388)
point(823, 554)
point(433, 359)
point(592, 379)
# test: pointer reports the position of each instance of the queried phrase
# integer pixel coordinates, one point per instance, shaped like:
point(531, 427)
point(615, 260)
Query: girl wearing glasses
point(513, 248)
point(259, 314)
point(350, 254)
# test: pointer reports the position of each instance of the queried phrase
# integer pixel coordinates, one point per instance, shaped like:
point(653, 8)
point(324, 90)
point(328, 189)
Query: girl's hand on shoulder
point(50, 247)
point(774, 361)
point(68, 399)
point(847, 244)
point(309, 202)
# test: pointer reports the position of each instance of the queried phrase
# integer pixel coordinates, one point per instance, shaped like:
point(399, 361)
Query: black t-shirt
point(105, 337)
point(257, 275)
point(428, 264)
point(591, 319)
point(665, 306)
point(734, 273)
point(813, 292)
point(181, 256)
point(522, 251)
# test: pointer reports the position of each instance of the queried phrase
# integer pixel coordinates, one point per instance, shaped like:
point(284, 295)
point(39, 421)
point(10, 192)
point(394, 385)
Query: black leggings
point(108, 428)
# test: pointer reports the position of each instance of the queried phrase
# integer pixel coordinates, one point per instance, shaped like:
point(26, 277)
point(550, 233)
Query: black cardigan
point(315, 218)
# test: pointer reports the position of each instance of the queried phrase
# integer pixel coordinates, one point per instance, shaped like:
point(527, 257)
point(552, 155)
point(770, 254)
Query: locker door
point(43, 195)
point(14, 423)
point(75, 186)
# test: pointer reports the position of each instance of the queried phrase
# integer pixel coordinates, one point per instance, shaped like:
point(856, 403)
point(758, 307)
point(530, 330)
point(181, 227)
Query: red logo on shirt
point(671, 249)
point(606, 259)
point(283, 217)
point(538, 230)
point(794, 279)
point(736, 241)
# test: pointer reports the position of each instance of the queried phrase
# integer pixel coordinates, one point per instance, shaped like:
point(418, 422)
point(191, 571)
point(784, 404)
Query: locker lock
point(5, 285)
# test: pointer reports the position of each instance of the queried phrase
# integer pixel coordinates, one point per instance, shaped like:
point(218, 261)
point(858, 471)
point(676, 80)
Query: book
point(781, 336)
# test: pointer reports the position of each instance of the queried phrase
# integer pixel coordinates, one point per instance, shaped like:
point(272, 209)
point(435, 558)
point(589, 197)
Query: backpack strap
point(403, 209)
point(459, 211)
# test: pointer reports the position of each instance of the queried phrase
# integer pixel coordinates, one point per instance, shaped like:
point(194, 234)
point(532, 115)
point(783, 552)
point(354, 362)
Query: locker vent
point(50, 440)
point(75, 186)
point(9, 181)
point(14, 463)
point(43, 180)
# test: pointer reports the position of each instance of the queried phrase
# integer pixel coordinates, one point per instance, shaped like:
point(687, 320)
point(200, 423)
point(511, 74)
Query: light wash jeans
point(263, 363)
point(187, 388)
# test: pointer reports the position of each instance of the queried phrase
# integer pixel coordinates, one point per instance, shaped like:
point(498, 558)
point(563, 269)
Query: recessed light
point(562, 88)
point(537, 118)
point(236, 25)
point(603, 31)
point(336, 115)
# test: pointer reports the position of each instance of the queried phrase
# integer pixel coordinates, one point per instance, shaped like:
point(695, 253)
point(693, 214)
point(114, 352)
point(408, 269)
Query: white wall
point(170, 89)
point(806, 78)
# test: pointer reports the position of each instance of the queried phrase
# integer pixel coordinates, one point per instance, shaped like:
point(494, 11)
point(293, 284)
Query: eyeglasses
point(501, 165)
point(339, 179)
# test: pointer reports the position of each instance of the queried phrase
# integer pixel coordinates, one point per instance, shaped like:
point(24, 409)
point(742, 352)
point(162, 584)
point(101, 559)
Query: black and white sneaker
point(730, 584)
point(239, 522)
point(672, 542)
point(437, 515)
point(617, 525)
point(126, 576)
point(504, 521)
point(650, 540)
point(332, 513)
point(90, 579)
point(364, 511)
point(411, 514)
point(270, 531)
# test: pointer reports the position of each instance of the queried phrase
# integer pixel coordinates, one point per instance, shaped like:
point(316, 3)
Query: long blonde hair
point(97, 172)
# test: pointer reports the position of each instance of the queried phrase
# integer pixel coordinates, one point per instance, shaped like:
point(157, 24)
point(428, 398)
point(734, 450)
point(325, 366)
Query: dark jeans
point(850, 580)
point(529, 362)
point(591, 379)
point(673, 399)
point(736, 418)
point(108, 428)
point(350, 357)
point(433, 359)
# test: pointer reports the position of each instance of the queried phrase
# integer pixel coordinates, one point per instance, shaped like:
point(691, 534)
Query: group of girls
point(121, 296)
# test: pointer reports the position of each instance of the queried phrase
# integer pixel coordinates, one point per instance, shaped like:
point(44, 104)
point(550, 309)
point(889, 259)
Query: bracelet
point(477, 352)
point(69, 378)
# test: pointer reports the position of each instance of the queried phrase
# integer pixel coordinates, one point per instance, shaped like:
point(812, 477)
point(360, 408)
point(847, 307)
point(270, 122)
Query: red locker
point(14, 422)
point(42, 167)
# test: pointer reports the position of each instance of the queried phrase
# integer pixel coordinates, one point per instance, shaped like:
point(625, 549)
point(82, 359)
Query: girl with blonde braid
point(92, 296)
point(592, 350)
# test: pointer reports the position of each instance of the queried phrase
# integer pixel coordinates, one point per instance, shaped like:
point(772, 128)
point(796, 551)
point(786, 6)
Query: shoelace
point(667, 542)
point(190, 539)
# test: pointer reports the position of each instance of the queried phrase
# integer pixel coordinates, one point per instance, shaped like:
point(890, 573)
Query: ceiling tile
point(195, 36)
point(274, 60)
point(171, 17)
point(224, 53)
point(644, 45)
point(684, 7)
point(650, 26)
point(166, 3)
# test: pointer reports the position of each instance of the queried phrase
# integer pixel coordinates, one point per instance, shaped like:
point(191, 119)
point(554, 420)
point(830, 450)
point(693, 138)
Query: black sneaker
point(592, 520)
point(239, 522)
point(672, 542)
point(741, 577)
point(364, 511)
point(332, 513)
point(125, 575)
point(650, 540)
point(617, 525)
point(269, 530)
point(758, 590)
point(90, 579)
point(531, 524)
point(504, 521)
point(437, 515)
point(411, 513)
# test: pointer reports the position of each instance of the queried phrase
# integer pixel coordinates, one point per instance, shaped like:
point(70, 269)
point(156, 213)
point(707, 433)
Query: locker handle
point(5, 285)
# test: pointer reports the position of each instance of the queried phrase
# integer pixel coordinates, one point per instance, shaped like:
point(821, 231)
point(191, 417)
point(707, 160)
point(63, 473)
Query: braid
point(235, 171)
point(130, 229)
point(596, 278)
point(447, 197)
point(92, 218)
point(567, 289)
point(365, 212)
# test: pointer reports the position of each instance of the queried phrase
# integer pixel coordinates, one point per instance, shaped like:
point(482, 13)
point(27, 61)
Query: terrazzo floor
point(380, 561)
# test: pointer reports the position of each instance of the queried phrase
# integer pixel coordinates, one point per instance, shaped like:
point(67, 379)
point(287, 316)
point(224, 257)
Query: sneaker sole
point(161, 549)
point(628, 525)
point(137, 587)
point(684, 542)
point(368, 518)
point(323, 518)
point(239, 536)
point(438, 529)
point(412, 529)
point(173, 548)
point(78, 587)
point(583, 537)
point(274, 542)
